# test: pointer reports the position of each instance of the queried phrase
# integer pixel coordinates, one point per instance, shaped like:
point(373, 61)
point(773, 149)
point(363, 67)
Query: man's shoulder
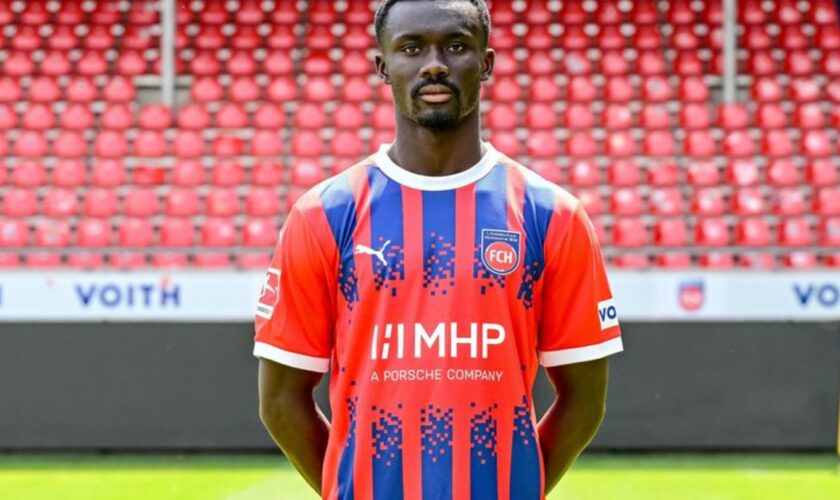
point(336, 190)
point(545, 193)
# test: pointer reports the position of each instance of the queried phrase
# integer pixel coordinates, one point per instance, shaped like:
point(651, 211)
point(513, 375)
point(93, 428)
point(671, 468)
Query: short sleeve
point(579, 317)
point(295, 312)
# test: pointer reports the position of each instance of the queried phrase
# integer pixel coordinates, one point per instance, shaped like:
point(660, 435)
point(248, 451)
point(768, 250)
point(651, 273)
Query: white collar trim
point(439, 182)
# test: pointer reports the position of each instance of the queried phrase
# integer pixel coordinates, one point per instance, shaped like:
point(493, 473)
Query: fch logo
point(270, 294)
point(500, 250)
point(692, 295)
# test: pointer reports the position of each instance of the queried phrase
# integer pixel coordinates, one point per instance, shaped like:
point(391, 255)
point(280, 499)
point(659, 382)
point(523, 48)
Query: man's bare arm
point(574, 416)
point(289, 413)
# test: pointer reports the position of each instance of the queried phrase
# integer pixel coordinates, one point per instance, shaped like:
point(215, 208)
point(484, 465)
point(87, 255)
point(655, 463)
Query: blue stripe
point(387, 456)
point(483, 459)
point(345, 464)
point(537, 210)
point(340, 208)
point(436, 439)
point(524, 458)
point(438, 241)
point(491, 209)
point(386, 228)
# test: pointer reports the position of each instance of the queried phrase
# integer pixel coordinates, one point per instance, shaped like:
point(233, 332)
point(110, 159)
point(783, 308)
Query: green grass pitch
point(596, 477)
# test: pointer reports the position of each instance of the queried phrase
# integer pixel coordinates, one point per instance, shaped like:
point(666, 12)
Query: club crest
point(500, 250)
point(692, 295)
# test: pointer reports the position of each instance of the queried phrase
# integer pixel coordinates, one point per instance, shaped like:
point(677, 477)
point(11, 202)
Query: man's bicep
point(586, 380)
point(278, 381)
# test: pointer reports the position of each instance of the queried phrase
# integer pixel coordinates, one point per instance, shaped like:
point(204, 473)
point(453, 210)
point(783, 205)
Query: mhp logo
point(824, 295)
point(607, 314)
point(128, 295)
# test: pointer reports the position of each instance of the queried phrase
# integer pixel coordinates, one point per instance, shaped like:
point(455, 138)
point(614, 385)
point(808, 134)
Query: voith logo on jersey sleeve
point(270, 294)
point(607, 314)
point(500, 250)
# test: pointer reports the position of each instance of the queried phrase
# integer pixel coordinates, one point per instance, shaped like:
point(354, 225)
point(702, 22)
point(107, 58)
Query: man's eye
point(411, 49)
point(457, 47)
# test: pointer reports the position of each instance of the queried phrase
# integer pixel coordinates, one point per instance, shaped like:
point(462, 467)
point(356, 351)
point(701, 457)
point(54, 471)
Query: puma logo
point(366, 250)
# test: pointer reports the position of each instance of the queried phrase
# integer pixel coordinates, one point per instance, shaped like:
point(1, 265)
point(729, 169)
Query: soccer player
point(431, 280)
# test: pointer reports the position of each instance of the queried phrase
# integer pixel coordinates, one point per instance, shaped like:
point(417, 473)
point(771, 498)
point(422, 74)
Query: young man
point(431, 279)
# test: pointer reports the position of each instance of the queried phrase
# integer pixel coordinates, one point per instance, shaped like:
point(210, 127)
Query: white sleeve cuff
point(581, 354)
point(293, 359)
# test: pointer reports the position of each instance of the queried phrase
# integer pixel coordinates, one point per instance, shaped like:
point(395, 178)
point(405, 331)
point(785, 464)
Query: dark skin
point(437, 46)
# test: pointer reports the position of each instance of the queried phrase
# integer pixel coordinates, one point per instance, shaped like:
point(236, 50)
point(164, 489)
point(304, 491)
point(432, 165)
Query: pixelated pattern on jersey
point(537, 211)
point(490, 213)
point(387, 454)
point(345, 465)
point(438, 241)
point(340, 208)
point(436, 447)
point(386, 227)
point(525, 474)
point(483, 438)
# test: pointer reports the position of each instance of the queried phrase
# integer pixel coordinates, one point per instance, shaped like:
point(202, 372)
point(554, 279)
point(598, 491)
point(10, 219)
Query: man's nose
point(435, 66)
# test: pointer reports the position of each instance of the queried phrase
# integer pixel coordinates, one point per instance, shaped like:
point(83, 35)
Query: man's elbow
point(277, 415)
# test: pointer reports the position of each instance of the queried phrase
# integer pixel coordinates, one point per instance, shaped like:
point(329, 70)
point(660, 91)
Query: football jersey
point(432, 301)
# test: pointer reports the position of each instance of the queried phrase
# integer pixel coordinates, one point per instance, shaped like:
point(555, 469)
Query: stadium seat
point(716, 260)
point(829, 232)
point(666, 201)
point(136, 233)
point(800, 259)
point(827, 201)
point(259, 233)
point(711, 232)
point(795, 232)
point(223, 201)
point(70, 144)
point(655, 117)
point(617, 116)
point(29, 174)
point(141, 202)
point(94, 233)
point(623, 173)
point(169, 260)
point(592, 201)
point(231, 115)
point(188, 144)
point(18, 202)
point(218, 232)
point(782, 172)
point(181, 202)
point(626, 201)
point(770, 116)
point(695, 116)
point(68, 173)
point(815, 144)
point(581, 145)
point(578, 116)
point(747, 201)
point(699, 144)
point(777, 143)
point(244, 89)
point(673, 260)
point(75, 117)
point(50, 233)
point(60, 202)
point(228, 173)
point(542, 144)
point(347, 144)
point(789, 201)
point(540, 116)
point(177, 233)
point(708, 202)
point(821, 172)
point(693, 89)
point(629, 232)
point(270, 116)
point(631, 261)
point(616, 89)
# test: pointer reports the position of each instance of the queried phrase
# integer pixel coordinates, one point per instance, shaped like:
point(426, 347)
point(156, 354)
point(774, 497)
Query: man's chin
point(438, 121)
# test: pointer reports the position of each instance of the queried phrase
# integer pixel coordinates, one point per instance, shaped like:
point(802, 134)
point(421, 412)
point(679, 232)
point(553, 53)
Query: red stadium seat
point(782, 172)
point(540, 116)
point(228, 173)
point(266, 143)
point(20, 203)
point(733, 116)
point(584, 173)
point(188, 144)
point(581, 145)
point(693, 89)
point(181, 202)
point(655, 117)
point(77, 117)
point(100, 202)
point(13, 233)
point(269, 116)
point(659, 143)
point(543, 89)
point(244, 89)
point(708, 202)
point(177, 233)
point(578, 116)
point(742, 172)
point(829, 232)
point(613, 63)
point(19, 64)
point(821, 172)
point(155, 117)
point(747, 201)
point(169, 260)
point(620, 143)
point(711, 232)
point(259, 233)
point(228, 145)
point(629, 232)
point(623, 173)
point(141, 202)
point(68, 173)
point(777, 143)
point(307, 172)
point(56, 64)
point(318, 89)
point(699, 144)
point(60, 203)
point(617, 89)
point(347, 144)
point(502, 117)
point(670, 233)
point(52, 233)
point(626, 201)
point(666, 201)
point(505, 89)
point(149, 143)
point(592, 201)
point(8, 117)
point(109, 173)
point(218, 232)
point(574, 38)
point(70, 144)
point(193, 117)
point(231, 115)
point(757, 260)
point(542, 144)
point(38, 117)
point(262, 202)
point(795, 232)
point(29, 174)
point(136, 233)
point(800, 259)
point(771, 116)
point(815, 144)
point(94, 233)
point(683, 38)
point(663, 173)
point(804, 89)
point(355, 63)
point(617, 116)
point(222, 202)
point(207, 89)
point(827, 201)
point(688, 64)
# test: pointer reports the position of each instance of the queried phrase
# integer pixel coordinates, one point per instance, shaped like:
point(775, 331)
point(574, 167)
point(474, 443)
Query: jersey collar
point(439, 182)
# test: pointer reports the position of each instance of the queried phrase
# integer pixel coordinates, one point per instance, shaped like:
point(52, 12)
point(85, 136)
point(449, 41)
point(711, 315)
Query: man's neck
point(424, 152)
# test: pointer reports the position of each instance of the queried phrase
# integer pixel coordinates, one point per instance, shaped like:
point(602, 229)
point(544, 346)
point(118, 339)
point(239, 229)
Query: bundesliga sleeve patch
point(607, 314)
point(500, 250)
point(270, 294)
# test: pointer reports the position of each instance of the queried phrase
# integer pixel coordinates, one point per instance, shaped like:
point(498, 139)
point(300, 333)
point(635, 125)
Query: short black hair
point(385, 7)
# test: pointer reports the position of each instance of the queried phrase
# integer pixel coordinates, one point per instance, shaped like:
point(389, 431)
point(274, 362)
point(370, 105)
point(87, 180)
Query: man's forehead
point(424, 16)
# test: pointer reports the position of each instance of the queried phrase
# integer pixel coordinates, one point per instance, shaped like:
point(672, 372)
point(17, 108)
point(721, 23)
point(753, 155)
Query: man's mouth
point(435, 94)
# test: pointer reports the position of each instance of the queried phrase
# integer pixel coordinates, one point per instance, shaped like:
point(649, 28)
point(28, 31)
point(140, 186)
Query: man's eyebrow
point(414, 35)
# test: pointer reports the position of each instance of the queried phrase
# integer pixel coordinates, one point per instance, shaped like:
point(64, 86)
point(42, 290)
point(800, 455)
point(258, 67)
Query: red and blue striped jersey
point(432, 301)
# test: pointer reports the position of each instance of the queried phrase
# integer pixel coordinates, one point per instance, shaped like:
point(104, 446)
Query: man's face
point(434, 58)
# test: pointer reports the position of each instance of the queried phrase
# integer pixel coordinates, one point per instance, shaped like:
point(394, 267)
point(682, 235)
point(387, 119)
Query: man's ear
point(382, 68)
point(487, 64)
